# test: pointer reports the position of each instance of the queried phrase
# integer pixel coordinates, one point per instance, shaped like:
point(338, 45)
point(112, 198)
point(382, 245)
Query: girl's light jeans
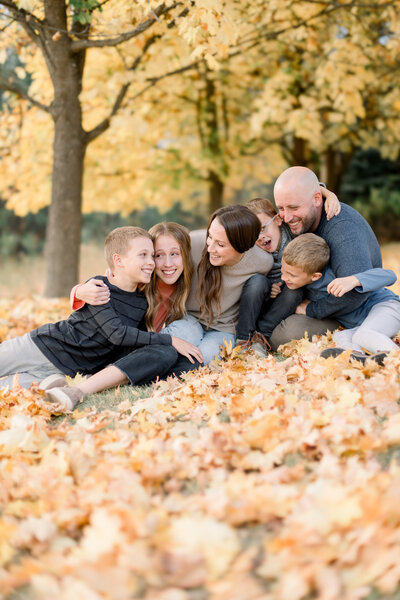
point(207, 340)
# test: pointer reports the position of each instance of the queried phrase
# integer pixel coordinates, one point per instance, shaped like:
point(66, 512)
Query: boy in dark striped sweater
point(94, 336)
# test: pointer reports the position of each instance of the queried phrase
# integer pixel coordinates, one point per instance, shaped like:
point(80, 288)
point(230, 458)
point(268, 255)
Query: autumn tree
point(53, 39)
point(221, 93)
point(334, 89)
point(305, 92)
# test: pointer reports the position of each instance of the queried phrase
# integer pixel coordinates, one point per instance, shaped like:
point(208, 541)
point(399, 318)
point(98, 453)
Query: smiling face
point(220, 250)
point(136, 265)
point(298, 199)
point(168, 259)
point(270, 235)
point(295, 277)
point(302, 215)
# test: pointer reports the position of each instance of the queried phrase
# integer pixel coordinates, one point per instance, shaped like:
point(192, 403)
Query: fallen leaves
point(256, 479)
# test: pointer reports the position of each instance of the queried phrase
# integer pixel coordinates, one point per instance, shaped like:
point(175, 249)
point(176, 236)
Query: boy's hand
point(187, 349)
point(332, 204)
point(301, 308)
point(275, 289)
point(341, 285)
point(93, 292)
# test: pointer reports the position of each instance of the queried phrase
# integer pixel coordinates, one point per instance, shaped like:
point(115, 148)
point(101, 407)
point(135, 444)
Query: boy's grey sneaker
point(55, 380)
point(67, 396)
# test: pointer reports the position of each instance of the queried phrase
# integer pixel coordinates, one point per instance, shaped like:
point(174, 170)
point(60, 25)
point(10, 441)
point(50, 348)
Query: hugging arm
point(94, 292)
point(331, 203)
point(369, 281)
point(350, 254)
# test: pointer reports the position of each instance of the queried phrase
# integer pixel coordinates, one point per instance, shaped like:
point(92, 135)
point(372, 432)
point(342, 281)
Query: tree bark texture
point(69, 146)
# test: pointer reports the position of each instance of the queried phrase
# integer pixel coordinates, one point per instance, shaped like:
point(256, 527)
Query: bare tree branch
point(78, 45)
point(12, 87)
point(28, 21)
point(101, 127)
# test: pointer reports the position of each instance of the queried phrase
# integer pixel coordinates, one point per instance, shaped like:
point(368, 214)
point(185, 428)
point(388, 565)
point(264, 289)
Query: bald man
point(353, 246)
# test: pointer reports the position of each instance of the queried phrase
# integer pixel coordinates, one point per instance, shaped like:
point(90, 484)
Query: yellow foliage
point(246, 476)
point(317, 74)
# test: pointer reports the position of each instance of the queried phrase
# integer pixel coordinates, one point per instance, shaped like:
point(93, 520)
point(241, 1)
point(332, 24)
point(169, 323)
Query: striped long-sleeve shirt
point(94, 336)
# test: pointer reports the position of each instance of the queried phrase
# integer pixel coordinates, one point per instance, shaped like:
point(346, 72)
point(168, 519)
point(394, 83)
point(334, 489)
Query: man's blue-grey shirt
point(354, 249)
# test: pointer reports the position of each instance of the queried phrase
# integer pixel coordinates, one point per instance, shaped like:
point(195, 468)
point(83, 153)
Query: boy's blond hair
point(117, 241)
point(307, 251)
point(261, 205)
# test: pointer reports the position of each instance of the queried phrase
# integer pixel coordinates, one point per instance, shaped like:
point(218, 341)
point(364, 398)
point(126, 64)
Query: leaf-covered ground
point(274, 479)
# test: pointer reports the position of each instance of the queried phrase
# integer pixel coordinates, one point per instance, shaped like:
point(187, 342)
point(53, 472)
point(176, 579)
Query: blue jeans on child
point(259, 312)
point(207, 340)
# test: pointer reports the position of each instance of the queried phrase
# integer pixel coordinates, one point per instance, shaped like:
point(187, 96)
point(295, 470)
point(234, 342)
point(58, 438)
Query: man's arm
point(374, 279)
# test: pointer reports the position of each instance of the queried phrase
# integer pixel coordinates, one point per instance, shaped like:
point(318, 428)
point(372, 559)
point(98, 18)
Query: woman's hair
point(117, 241)
point(262, 205)
point(179, 297)
point(242, 228)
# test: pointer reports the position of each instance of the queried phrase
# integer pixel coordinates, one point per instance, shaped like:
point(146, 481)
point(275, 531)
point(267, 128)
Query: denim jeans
point(259, 312)
point(277, 309)
point(207, 340)
point(255, 293)
point(182, 365)
point(144, 365)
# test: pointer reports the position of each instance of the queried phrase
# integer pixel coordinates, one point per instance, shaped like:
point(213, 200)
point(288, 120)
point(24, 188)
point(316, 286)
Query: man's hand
point(341, 285)
point(301, 308)
point(93, 292)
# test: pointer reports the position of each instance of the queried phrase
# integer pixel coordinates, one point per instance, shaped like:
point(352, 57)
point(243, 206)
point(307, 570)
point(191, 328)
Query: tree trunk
point(65, 213)
point(212, 143)
point(300, 152)
point(336, 164)
point(216, 191)
point(69, 146)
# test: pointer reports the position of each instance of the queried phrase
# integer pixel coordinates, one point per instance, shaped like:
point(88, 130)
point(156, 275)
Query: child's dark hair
point(309, 252)
point(117, 241)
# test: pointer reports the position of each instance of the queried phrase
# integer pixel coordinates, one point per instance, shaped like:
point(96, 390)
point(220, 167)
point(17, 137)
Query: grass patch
point(108, 400)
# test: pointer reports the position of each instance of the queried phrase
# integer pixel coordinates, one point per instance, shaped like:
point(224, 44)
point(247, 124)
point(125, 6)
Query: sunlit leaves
point(249, 479)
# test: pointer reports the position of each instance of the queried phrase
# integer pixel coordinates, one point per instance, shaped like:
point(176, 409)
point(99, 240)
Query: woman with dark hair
point(224, 257)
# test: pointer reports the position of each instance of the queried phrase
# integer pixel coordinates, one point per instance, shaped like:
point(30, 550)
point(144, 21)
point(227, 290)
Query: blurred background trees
point(138, 112)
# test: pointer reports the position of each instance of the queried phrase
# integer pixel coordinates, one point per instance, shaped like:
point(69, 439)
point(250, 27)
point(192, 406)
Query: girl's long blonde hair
point(179, 297)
